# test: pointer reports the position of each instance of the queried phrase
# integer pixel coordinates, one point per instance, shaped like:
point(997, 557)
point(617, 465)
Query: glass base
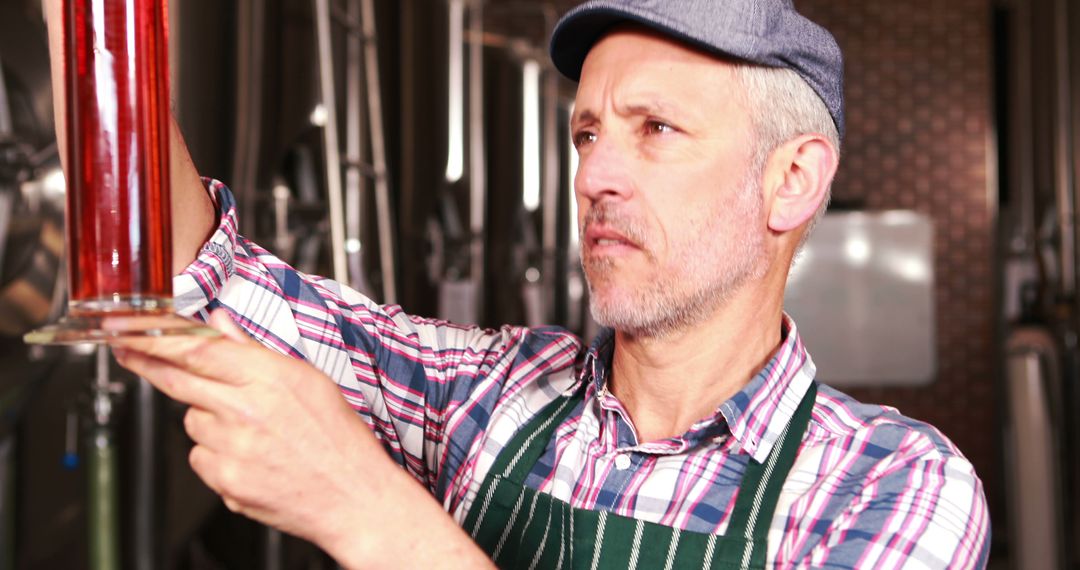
point(88, 328)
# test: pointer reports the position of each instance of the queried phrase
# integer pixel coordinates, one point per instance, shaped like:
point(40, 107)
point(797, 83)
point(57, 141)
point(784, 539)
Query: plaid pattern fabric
point(870, 488)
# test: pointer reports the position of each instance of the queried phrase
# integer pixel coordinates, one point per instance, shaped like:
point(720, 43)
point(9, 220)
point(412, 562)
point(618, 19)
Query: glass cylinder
point(119, 232)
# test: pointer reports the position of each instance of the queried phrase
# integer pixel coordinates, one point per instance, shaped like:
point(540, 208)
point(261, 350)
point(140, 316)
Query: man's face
point(669, 199)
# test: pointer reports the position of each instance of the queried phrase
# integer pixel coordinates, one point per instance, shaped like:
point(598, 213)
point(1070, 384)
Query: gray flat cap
point(765, 32)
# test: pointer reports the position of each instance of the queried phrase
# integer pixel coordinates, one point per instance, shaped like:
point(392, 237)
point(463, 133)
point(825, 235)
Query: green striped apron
point(523, 528)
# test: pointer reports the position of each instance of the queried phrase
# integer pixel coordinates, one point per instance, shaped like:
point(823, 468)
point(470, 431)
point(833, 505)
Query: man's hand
point(276, 440)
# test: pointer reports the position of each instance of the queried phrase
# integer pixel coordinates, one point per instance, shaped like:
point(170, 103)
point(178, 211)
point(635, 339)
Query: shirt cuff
point(201, 283)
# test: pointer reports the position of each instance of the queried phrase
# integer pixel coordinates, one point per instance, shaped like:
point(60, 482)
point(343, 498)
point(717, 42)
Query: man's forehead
point(647, 73)
point(630, 99)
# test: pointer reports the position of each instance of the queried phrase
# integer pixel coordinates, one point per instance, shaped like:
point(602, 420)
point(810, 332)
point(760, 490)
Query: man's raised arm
point(192, 211)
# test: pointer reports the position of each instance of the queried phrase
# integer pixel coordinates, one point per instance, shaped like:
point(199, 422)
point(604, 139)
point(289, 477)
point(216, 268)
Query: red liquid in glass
point(119, 233)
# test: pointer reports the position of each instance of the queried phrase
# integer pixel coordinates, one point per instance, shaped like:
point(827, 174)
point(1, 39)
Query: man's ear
point(797, 179)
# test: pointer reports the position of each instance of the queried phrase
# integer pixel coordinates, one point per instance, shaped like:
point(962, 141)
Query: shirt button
point(622, 462)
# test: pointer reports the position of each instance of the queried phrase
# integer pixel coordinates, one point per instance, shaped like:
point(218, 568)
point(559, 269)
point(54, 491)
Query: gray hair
point(783, 106)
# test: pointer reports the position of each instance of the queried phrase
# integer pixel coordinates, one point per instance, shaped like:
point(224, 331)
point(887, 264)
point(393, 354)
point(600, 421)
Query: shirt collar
point(758, 414)
point(598, 360)
point(755, 416)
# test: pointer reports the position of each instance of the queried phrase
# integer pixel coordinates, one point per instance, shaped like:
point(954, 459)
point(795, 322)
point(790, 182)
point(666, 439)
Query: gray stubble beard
point(664, 306)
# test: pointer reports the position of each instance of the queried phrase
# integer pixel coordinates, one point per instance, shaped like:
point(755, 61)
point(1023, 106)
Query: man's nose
point(603, 172)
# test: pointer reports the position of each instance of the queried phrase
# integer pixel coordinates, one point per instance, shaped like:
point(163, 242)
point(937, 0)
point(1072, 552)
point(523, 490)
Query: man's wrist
point(414, 530)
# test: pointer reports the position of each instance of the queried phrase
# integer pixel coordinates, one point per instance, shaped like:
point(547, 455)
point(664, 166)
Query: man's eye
point(582, 138)
point(654, 127)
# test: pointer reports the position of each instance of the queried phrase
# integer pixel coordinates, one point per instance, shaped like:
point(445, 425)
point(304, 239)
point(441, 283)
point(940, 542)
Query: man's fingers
point(233, 505)
point(220, 320)
point(213, 358)
point(203, 462)
point(176, 382)
point(201, 426)
point(213, 469)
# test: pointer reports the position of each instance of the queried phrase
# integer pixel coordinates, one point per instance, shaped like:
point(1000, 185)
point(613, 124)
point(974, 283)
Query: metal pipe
point(378, 153)
point(7, 502)
point(534, 296)
point(455, 93)
point(477, 160)
point(248, 105)
point(6, 127)
point(549, 239)
point(103, 520)
point(283, 238)
point(575, 286)
point(1063, 150)
point(1020, 126)
point(531, 136)
point(7, 206)
point(1033, 421)
point(330, 140)
point(272, 549)
point(354, 149)
point(146, 488)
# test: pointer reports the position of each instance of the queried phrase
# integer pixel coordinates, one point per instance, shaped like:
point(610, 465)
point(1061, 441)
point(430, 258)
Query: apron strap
point(760, 489)
point(523, 450)
point(745, 541)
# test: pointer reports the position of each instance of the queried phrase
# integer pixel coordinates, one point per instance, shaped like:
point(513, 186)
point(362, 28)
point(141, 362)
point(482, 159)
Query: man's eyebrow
point(586, 116)
point(631, 109)
point(647, 108)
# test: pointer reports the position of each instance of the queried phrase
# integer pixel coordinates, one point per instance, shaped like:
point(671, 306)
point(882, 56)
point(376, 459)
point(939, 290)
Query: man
point(690, 433)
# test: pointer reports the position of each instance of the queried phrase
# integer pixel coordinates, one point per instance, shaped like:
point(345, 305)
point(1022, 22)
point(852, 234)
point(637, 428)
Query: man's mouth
point(606, 241)
point(609, 234)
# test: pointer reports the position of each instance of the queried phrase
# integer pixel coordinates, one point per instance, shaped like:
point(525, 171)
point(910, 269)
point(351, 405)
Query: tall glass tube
point(116, 83)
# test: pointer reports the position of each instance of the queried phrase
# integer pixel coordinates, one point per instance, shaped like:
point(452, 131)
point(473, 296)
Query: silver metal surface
point(477, 160)
point(145, 508)
point(103, 404)
point(7, 205)
point(331, 148)
point(7, 195)
point(535, 299)
point(248, 105)
point(355, 181)
point(551, 186)
point(284, 240)
point(378, 154)
point(273, 549)
point(104, 520)
point(1032, 440)
point(7, 502)
point(455, 93)
point(862, 295)
point(531, 135)
point(6, 128)
point(1021, 165)
point(1063, 175)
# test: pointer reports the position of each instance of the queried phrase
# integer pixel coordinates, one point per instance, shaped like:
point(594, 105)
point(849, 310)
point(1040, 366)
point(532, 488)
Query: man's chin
point(619, 310)
point(610, 276)
point(627, 323)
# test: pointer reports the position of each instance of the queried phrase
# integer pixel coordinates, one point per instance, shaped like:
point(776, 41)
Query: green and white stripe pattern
point(555, 535)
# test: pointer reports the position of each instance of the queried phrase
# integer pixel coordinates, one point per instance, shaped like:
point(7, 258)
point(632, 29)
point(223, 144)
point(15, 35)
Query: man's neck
point(667, 384)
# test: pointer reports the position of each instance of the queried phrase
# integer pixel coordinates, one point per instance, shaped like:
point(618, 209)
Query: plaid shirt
point(870, 488)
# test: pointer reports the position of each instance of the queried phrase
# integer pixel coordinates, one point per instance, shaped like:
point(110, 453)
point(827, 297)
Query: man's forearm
point(193, 213)
point(418, 533)
point(192, 210)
